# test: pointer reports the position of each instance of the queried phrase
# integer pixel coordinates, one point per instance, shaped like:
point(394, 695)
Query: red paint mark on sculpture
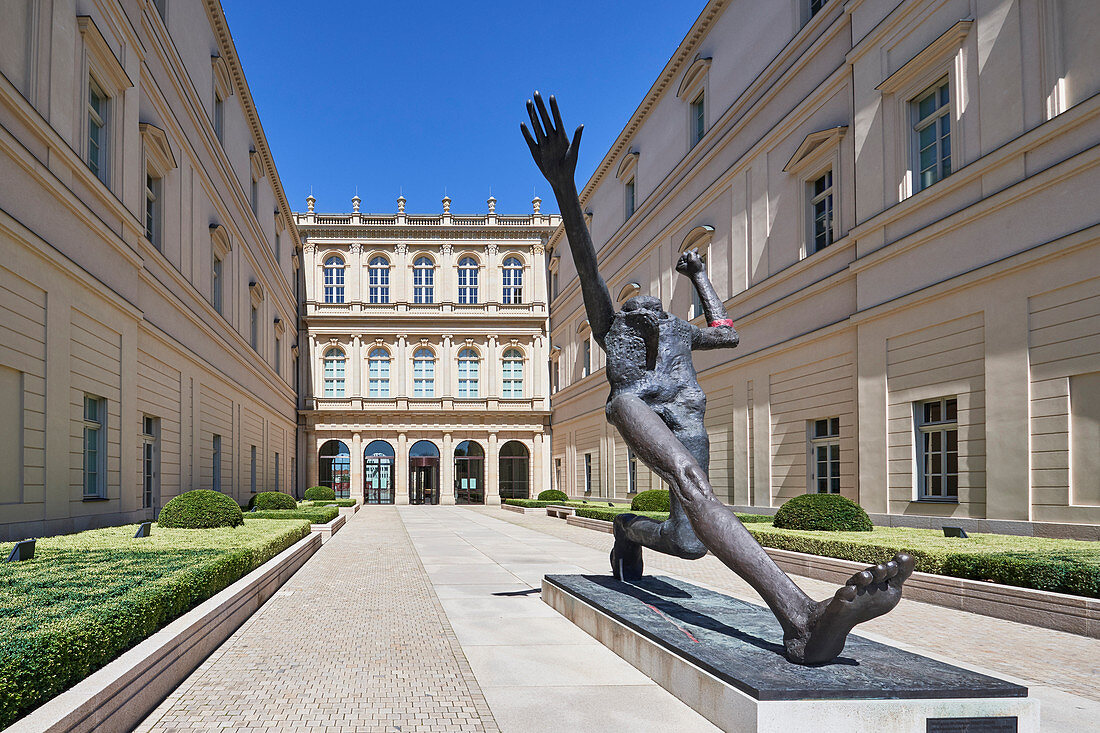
point(681, 628)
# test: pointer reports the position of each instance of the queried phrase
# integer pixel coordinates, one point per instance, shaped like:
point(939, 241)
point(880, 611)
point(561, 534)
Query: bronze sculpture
point(657, 406)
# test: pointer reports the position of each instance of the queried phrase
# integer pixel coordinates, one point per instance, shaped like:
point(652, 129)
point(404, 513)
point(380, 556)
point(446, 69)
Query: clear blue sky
point(427, 96)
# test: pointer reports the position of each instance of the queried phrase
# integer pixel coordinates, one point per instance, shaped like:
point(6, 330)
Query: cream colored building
point(146, 260)
point(899, 204)
point(425, 377)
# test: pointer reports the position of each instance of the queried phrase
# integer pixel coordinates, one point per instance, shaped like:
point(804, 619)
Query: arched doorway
point(469, 473)
point(424, 473)
point(334, 468)
point(378, 473)
point(514, 462)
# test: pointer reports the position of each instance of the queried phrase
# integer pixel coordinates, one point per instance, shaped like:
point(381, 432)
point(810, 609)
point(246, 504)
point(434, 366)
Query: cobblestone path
point(355, 642)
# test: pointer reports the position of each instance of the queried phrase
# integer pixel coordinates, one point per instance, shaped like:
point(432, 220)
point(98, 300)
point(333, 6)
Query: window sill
point(935, 500)
point(95, 498)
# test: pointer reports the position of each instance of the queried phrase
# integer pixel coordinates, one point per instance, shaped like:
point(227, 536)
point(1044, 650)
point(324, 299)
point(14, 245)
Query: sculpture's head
point(644, 303)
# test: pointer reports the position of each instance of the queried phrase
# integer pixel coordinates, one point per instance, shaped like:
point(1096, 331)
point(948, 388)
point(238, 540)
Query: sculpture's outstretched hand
point(554, 154)
point(690, 263)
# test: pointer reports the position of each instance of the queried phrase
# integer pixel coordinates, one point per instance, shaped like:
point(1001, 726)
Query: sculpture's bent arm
point(719, 332)
point(556, 157)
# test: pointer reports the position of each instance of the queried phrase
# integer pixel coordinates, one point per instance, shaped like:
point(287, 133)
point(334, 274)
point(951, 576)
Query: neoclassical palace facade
point(424, 374)
point(898, 204)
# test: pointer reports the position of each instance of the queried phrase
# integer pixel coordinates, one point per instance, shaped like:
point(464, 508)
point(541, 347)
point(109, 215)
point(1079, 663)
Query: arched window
point(512, 372)
point(513, 280)
point(468, 367)
point(378, 367)
point(378, 280)
point(467, 280)
point(334, 280)
point(424, 373)
point(423, 280)
point(335, 362)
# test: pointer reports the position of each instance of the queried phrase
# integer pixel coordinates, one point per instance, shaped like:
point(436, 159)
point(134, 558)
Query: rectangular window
point(153, 206)
point(95, 418)
point(254, 196)
point(278, 355)
point(821, 212)
point(334, 377)
point(423, 284)
point(424, 377)
point(216, 462)
point(219, 117)
point(252, 469)
point(150, 439)
point(379, 284)
point(816, 6)
point(698, 119)
point(97, 130)
point(553, 284)
point(586, 357)
point(824, 439)
point(468, 377)
point(631, 472)
point(216, 285)
point(696, 299)
point(557, 474)
point(278, 486)
point(1084, 435)
point(630, 198)
point(588, 473)
point(555, 374)
point(254, 327)
point(278, 243)
point(932, 134)
point(938, 449)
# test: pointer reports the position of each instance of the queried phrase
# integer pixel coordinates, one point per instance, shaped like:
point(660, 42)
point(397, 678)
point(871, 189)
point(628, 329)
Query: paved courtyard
point(429, 619)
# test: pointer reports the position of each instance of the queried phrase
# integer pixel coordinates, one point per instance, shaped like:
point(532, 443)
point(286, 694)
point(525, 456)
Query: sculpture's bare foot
point(626, 555)
point(869, 593)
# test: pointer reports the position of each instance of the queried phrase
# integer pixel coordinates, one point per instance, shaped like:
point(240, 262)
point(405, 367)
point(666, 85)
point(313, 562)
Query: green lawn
point(85, 598)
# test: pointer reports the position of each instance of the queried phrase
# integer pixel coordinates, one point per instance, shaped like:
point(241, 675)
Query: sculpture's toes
point(879, 572)
point(905, 564)
point(847, 593)
point(861, 579)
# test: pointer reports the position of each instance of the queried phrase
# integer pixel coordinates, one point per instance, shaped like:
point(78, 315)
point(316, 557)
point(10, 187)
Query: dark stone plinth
point(742, 644)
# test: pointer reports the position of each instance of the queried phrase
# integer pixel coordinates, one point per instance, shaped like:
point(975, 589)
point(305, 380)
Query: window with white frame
point(335, 363)
point(824, 439)
point(513, 281)
point(423, 280)
point(512, 374)
point(278, 356)
point(932, 134)
point(557, 474)
point(631, 472)
point(150, 459)
point(938, 449)
point(217, 283)
point(696, 299)
point(554, 284)
point(424, 373)
point(252, 470)
point(469, 365)
point(467, 280)
point(95, 459)
point(628, 190)
point(277, 484)
point(378, 372)
point(216, 462)
point(555, 374)
point(254, 195)
point(698, 118)
point(588, 473)
point(153, 208)
point(278, 239)
point(219, 116)
point(98, 133)
point(334, 280)
point(586, 356)
point(254, 326)
point(820, 196)
point(378, 280)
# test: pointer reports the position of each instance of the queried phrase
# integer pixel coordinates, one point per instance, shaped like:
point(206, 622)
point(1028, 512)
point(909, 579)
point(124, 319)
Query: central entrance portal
point(424, 473)
point(469, 473)
point(378, 473)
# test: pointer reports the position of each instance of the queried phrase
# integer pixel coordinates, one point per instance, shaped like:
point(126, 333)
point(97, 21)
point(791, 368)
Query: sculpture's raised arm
point(719, 332)
point(556, 157)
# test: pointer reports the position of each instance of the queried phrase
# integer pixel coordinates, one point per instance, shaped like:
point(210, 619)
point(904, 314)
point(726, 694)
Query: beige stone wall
point(977, 286)
point(92, 305)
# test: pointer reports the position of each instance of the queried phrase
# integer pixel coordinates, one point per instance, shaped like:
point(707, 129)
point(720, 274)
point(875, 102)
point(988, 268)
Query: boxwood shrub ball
point(654, 500)
point(828, 512)
point(320, 493)
point(272, 500)
point(553, 495)
point(201, 509)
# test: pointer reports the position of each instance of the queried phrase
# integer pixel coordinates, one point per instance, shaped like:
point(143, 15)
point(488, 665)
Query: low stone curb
point(1057, 611)
point(326, 531)
point(522, 509)
point(561, 512)
point(125, 691)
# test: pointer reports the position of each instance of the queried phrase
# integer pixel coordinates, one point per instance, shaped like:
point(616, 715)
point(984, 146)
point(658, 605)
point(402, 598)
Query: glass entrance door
point(423, 481)
point(378, 477)
point(469, 473)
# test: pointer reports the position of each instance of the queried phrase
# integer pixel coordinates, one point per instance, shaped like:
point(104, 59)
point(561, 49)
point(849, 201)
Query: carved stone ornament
point(400, 249)
point(491, 248)
point(355, 248)
point(445, 250)
point(308, 248)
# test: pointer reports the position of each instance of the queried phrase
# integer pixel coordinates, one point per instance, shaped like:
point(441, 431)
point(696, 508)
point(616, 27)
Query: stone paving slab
point(1060, 669)
point(356, 641)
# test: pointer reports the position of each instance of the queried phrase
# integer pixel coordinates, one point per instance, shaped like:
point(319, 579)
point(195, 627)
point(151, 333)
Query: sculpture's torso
point(670, 388)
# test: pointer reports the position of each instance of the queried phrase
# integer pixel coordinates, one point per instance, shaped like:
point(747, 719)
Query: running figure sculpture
point(657, 405)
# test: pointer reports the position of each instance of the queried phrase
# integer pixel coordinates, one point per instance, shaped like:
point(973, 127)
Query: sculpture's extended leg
point(814, 631)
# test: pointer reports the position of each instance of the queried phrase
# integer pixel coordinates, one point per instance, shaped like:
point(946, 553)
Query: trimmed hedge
point(529, 503)
point(553, 495)
point(315, 514)
point(822, 512)
point(320, 493)
point(608, 514)
point(333, 502)
point(654, 500)
point(200, 509)
point(272, 500)
point(1061, 566)
point(86, 598)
